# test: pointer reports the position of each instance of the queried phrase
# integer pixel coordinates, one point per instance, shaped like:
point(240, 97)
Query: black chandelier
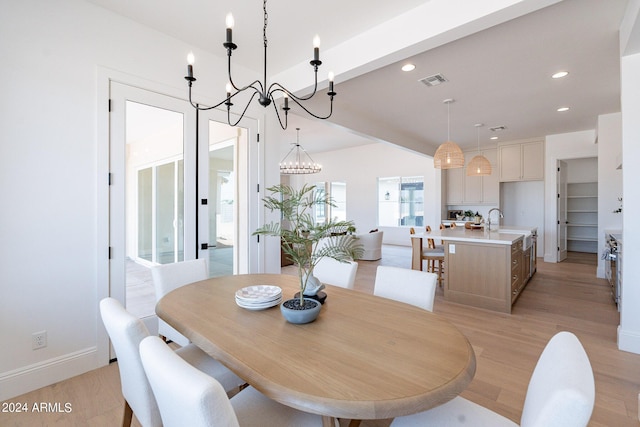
point(266, 94)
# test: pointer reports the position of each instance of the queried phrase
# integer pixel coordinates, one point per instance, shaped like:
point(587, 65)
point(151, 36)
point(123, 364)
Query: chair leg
point(440, 273)
point(127, 416)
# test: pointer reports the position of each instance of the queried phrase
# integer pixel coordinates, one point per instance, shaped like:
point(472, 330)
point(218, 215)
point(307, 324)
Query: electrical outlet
point(39, 340)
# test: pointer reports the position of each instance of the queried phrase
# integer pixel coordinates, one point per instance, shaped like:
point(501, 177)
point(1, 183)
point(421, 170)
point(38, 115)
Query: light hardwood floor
point(564, 296)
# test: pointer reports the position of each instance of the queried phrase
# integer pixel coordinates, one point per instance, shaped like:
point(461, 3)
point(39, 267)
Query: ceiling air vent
point(434, 80)
point(497, 128)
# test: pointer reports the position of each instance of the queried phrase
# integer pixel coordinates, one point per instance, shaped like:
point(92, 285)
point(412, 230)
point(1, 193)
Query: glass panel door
point(152, 205)
point(222, 185)
point(154, 177)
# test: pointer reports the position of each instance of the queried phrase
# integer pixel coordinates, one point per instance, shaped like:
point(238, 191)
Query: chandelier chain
point(266, 19)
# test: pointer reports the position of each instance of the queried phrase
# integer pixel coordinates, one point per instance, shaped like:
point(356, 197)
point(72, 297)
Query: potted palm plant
point(306, 242)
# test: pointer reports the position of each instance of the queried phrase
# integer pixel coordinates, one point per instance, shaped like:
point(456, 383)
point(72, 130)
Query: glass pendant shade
point(479, 166)
point(448, 156)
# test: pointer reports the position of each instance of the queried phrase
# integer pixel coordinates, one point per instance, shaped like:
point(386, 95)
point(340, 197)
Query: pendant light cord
point(449, 121)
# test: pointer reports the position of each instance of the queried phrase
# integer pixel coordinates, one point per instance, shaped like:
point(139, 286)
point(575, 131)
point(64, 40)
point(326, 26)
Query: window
point(336, 191)
point(401, 201)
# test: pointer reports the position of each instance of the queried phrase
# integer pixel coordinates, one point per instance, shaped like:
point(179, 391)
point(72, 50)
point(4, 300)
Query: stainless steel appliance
point(533, 260)
point(612, 255)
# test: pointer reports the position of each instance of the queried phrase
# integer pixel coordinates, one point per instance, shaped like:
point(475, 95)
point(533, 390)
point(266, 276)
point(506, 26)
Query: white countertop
point(461, 234)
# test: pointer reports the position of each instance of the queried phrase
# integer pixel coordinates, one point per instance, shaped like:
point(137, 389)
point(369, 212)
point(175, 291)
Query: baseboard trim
point(32, 377)
point(628, 341)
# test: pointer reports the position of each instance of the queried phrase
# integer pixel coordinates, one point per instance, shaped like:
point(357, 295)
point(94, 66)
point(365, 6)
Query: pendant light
point(298, 161)
point(448, 155)
point(479, 165)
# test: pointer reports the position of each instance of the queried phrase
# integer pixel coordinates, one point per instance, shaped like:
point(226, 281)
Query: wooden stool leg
point(127, 416)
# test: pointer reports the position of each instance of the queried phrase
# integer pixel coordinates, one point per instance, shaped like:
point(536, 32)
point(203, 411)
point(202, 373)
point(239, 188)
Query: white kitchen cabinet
point(474, 190)
point(455, 186)
point(521, 161)
point(582, 216)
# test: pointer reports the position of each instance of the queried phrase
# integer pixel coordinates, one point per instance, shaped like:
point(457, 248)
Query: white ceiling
point(498, 76)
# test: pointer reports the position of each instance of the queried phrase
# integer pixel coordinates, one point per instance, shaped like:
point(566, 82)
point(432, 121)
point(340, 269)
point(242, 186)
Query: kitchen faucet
point(489, 217)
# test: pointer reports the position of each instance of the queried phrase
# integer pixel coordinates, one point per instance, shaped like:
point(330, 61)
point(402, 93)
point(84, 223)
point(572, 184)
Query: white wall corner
point(630, 29)
point(628, 340)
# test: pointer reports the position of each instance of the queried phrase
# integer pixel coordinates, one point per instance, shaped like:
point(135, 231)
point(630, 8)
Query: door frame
point(255, 253)
point(561, 210)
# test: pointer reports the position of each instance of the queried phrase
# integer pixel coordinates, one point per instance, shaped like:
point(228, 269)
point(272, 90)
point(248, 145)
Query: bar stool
point(431, 254)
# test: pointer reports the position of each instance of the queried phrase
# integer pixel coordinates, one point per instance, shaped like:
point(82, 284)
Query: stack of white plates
point(259, 297)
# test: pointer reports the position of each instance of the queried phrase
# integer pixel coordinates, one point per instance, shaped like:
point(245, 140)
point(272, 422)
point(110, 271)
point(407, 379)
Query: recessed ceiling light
point(494, 137)
point(560, 74)
point(408, 67)
point(562, 109)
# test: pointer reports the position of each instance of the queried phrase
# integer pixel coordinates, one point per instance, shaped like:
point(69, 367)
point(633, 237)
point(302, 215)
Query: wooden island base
point(483, 275)
point(485, 269)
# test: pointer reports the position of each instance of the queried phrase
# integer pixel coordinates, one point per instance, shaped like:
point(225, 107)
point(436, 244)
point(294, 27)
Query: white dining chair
point(189, 397)
point(166, 278)
point(561, 393)
point(332, 272)
point(409, 286)
point(126, 332)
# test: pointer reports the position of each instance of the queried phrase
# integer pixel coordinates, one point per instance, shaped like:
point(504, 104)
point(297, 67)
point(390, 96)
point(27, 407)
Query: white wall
point(52, 258)
point(573, 145)
point(629, 330)
point(360, 167)
point(523, 205)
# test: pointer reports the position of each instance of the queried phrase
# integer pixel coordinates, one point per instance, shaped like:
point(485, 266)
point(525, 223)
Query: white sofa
point(372, 245)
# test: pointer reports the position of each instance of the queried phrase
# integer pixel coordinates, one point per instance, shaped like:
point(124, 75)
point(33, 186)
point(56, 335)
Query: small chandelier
point(448, 155)
point(265, 93)
point(298, 161)
point(479, 165)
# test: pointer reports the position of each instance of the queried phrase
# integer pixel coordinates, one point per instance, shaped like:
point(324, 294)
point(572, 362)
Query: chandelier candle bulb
point(316, 48)
point(331, 81)
point(229, 22)
point(190, 60)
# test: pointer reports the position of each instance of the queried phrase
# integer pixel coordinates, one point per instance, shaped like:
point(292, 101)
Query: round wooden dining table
point(365, 357)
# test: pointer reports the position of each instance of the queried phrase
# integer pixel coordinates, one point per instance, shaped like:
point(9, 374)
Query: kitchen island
point(484, 269)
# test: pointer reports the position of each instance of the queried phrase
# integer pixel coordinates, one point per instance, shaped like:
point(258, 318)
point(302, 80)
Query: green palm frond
point(304, 241)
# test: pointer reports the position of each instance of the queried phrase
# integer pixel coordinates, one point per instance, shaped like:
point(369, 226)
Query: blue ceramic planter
point(301, 316)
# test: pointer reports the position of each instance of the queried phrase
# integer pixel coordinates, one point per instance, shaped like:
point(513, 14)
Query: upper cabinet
point(521, 161)
point(474, 190)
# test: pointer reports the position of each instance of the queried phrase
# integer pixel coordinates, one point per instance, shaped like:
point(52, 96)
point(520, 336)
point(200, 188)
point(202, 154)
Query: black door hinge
point(258, 188)
point(109, 179)
point(109, 106)
point(257, 137)
point(110, 252)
